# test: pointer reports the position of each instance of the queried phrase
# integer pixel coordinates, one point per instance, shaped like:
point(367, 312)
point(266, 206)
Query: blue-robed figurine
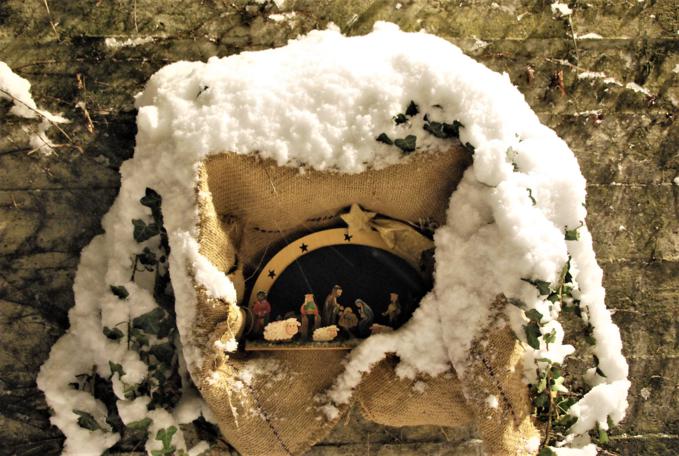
point(367, 317)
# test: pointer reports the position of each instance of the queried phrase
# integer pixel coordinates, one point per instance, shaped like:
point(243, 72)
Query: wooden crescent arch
point(314, 241)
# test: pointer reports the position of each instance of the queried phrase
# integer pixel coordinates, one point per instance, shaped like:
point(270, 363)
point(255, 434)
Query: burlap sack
point(267, 402)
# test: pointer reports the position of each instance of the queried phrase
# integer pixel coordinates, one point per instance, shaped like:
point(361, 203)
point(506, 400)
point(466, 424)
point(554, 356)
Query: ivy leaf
point(530, 195)
point(165, 436)
point(407, 144)
point(534, 315)
point(546, 451)
point(154, 322)
point(120, 291)
point(113, 334)
point(589, 330)
point(532, 333)
point(147, 257)
point(115, 367)
point(151, 199)
point(383, 138)
point(572, 235)
point(400, 119)
point(603, 437)
point(544, 288)
point(139, 425)
point(412, 109)
point(86, 420)
point(551, 337)
point(443, 130)
point(142, 231)
point(138, 338)
point(163, 352)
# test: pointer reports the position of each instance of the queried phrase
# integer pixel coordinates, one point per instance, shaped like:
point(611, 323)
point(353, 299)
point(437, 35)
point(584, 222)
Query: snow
point(18, 90)
point(590, 36)
point(330, 97)
point(637, 88)
point(561, 9)
point(492, 402)
point(115, 43)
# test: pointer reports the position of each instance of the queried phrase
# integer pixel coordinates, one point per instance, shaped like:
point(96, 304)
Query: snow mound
point(320, 102)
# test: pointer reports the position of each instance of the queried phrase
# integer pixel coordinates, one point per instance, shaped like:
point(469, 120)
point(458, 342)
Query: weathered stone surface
point(625, 140)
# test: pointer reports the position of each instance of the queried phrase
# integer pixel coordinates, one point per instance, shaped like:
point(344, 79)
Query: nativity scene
point(333, 287)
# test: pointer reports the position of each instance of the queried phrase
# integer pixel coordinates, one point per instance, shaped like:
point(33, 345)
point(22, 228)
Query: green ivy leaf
point(544, 288)
point(532, 334)
point(120, 291)
point(383, 138)
point(550, 338)
point(115, 367)
point(151, 199)
point(534, 315)
point(86, 420)
point(400, 119)
point(139, 425)
point(530, 195)
point(163, 352)
point(154, 322)
point(407, 144)
point(603, 437)
point(138, 338)
point(147, 257)
point(546, 451)
point(443, 130)
point(113, 334)
point(573, 235)
point(142, 231)
point(412, 109)
point(165, 436)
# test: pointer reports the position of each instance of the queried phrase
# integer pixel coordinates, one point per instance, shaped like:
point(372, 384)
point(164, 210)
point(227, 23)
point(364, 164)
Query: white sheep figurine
point(281, 330)
point(325, 334)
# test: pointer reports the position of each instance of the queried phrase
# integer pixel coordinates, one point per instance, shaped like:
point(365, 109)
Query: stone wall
point(621, 126)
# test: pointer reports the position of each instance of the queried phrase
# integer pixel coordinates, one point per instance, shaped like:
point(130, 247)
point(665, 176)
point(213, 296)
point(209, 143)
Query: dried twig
point(38, 112)
point(49, 14)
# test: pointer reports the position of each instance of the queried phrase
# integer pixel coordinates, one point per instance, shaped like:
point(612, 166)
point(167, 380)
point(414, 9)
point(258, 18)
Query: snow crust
point(319, 103)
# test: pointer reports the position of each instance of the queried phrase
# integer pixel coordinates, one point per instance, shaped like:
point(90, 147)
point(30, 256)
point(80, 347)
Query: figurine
point(309, 310)
point(281, 330)
point(261, 309)
point(367, 316)
point(348, 321)
point(394, 309)
point(326, 333)
point(332, 308)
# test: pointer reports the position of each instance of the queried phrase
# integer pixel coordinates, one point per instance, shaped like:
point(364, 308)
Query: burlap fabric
point(267, 403)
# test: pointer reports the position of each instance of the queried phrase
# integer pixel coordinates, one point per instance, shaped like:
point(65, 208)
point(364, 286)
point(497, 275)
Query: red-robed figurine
point(261, 310)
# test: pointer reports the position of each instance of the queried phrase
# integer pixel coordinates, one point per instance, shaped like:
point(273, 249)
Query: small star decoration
point(272, 273)
point(357, 219)
point(304, 247)
point(347, 237)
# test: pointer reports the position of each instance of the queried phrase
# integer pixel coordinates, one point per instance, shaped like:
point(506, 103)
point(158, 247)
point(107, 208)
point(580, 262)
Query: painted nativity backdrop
point(374, 224)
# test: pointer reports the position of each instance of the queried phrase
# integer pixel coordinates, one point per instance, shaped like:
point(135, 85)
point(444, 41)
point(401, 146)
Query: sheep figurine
point(281, 330)
point(377, 328)
point(325, 334)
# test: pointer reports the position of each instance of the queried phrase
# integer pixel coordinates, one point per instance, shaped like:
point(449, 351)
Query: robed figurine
point(309, 311)
point(331, 307)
